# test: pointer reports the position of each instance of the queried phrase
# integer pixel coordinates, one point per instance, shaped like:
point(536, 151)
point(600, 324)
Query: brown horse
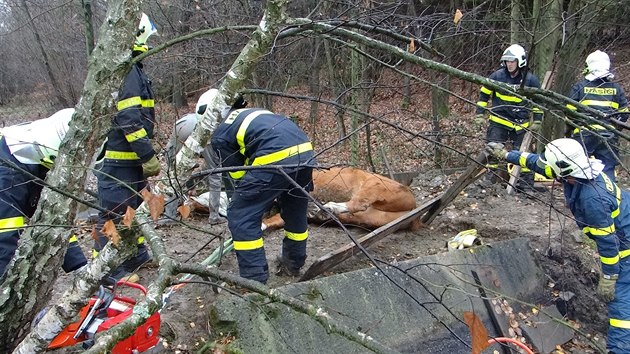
point(356, 197)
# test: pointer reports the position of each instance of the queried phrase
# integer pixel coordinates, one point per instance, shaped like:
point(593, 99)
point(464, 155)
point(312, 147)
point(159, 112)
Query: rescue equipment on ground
point(105, 310)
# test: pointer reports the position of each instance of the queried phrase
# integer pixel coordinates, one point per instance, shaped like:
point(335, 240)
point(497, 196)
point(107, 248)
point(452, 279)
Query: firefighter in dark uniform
point(25, 150)
point(602, 211)
point(597, 91)
point(257, 137)
point(128, 157)
point(509, 115)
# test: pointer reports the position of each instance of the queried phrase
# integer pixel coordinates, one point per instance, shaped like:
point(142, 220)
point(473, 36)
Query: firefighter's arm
point(623, 105)
point(530, 161)
point(229, 156)
point(484, 96)
point(130, 118)
point(599, 225)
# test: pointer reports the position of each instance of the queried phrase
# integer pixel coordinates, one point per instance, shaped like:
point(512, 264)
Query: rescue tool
point(105, 310)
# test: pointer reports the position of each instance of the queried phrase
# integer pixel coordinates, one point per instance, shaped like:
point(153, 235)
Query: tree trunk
point(63, 101)
point(89, 26)
point(28, 283)
point(355, 102)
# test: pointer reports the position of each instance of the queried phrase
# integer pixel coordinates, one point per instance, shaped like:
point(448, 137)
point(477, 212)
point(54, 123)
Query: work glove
point(535, 126)
point(497, 150)
point(606, 287)
point(479, 120)
point(464, 239)
point(151, 167)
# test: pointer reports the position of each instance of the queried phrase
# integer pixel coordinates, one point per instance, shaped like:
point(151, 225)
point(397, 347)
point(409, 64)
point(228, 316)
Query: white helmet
point(597, 66)
point(204, 101)
point(38, 142)
point(515, 52)
point(567, 157)
point(145, 29)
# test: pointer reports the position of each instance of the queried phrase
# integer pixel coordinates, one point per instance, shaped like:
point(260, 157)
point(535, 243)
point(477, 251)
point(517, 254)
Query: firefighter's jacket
point(605, 96)
point(251, 137)
point(508, 111)
point(129, 140)
point(599, 207)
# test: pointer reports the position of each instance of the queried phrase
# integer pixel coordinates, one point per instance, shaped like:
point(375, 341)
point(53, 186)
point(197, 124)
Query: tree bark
point(28, 283)
point(89, 26)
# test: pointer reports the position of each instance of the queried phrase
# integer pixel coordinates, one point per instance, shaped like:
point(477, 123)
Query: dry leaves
point(478, 332)
point(458, 16)
point(411, 48)
point(184, 210)
point(128, 217)
point(155, 203)
point(109, 230)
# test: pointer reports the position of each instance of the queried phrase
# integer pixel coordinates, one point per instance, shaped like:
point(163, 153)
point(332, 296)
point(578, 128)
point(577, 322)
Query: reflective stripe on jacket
point(599, 208)
point(600, 94)
point(129, 140)
point(260, 137)
point(508, 110)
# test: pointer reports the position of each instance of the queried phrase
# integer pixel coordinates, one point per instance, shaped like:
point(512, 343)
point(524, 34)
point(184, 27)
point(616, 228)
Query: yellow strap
point(609, 260)
point(129, 102)
point(619, 323)
point(47, 162)
point(148, 103)
point(11, 224)
point(624, 253)
point(282, 154)
point(73, 238)
point(602, 231)
point(597, 103)
point(240, 134)
point(508, 98)
point(248, 245)
point(485, 90)
point(237, 174)
point(121, 155)
point(295, 236)
point(482, 104)
point(140, 240)
point(507, 123)
point(138, 134)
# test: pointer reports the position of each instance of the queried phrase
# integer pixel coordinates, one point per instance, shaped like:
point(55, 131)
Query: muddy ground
point(570, 263)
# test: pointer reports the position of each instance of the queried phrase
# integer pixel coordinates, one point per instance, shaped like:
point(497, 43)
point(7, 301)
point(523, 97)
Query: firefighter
point(257, 137)
point(509, 116)
point(598, 91)
point(128, 158)
point(27, 152)
point(602, 210)
point(183, 128)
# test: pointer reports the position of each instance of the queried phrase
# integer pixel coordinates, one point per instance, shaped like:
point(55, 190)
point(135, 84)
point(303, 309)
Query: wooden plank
point(516, 171)
point(430, 209)
point(472, 173)
point(527, 140)
point(333, 258)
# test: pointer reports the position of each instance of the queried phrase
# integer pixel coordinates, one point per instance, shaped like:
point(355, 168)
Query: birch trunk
point(28, 283)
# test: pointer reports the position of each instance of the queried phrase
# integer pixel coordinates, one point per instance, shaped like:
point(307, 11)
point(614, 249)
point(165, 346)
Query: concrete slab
point(425, 317)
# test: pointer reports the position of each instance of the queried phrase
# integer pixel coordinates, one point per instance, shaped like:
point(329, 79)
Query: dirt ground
point(570, 263)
